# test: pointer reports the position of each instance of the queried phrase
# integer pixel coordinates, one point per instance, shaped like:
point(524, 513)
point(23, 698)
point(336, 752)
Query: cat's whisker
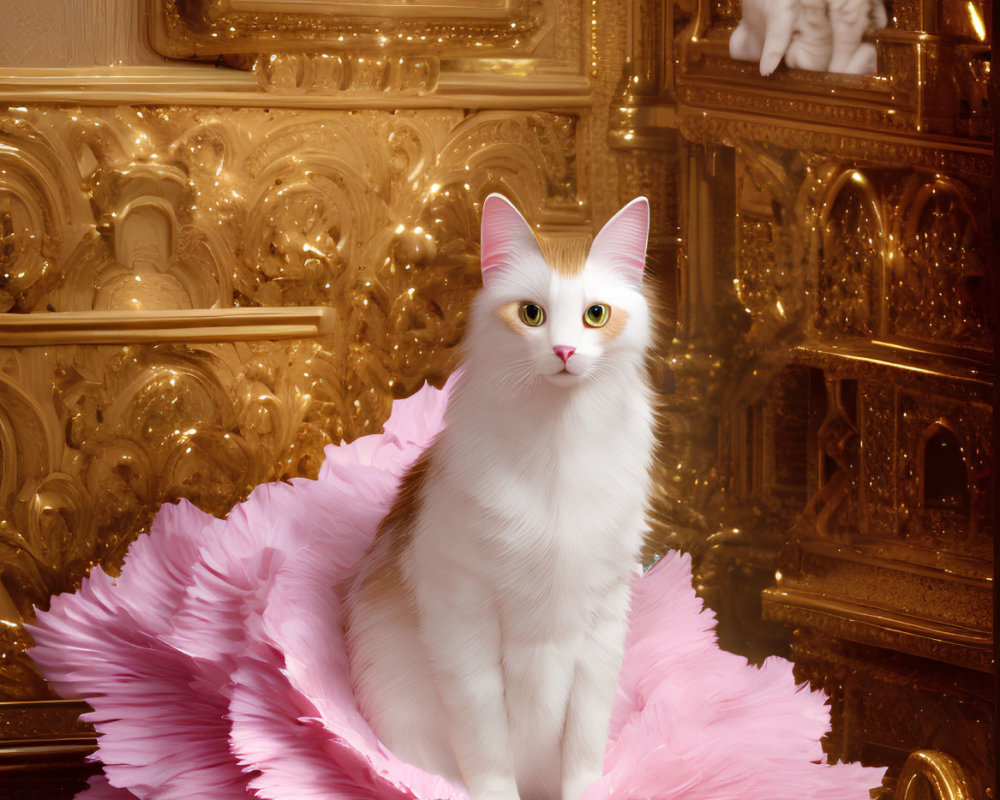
point(521, 374)
point(597, 371)
point(513, 376)
point(527, 378)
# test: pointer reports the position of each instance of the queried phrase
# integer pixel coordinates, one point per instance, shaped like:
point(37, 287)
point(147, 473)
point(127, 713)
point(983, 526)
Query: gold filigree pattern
point(833, 508)
point(850, 266)
point(198, 199)
point(938, 282)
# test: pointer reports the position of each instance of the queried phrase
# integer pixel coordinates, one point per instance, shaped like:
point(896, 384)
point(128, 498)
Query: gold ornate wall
point(238, 243)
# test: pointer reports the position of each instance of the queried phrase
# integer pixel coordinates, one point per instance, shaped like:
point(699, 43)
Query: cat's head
point(553, 312)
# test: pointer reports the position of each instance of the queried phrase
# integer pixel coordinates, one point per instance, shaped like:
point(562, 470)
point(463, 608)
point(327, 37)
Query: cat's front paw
point(574, 786)
point(495, 788)
point(494, 795)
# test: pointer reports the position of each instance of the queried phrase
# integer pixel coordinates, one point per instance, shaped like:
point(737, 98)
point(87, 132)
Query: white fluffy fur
point(820, 35)
point(496, 663)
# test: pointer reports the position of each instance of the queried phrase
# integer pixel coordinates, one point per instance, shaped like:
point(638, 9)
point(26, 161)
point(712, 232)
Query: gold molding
point(135, 327)
point(497, 9)
point(121, 79)
point(807, 130)
point(940, 771)
point(207, 28)
point(199, 85)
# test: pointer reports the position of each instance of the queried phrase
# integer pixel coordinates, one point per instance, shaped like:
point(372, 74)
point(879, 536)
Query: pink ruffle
point(216, 669)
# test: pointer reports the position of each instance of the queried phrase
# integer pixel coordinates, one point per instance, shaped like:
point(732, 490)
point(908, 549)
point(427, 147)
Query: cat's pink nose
point(564, 351)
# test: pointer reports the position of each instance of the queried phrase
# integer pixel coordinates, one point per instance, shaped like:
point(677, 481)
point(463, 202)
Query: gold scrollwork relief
point(214, 228)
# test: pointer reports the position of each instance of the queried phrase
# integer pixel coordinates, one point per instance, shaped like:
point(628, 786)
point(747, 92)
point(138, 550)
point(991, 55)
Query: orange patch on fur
point(566, 255)
point(615, 325)
point(509, 315)
point(394, 534)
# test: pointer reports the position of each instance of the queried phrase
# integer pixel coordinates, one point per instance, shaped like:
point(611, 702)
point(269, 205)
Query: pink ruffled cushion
point(216, 667)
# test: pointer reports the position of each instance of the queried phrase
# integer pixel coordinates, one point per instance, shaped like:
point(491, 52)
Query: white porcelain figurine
point(819, 35)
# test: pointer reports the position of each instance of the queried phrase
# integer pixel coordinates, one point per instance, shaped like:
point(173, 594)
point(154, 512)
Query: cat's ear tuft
point(621, 244)
point(505, 237)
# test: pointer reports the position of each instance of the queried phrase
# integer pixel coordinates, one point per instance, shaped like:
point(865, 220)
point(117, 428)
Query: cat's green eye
point(597, 315)
point(531, 315)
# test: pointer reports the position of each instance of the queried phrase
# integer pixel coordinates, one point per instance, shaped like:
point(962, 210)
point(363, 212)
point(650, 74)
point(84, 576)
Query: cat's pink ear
point(621, 244)
point(505, 237)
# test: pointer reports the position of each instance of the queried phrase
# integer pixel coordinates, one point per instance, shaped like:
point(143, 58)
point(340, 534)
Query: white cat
point(819, 35)
point(486, 625)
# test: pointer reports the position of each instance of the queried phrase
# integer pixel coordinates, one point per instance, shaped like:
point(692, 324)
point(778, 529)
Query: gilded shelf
point(904, 633)
point(196, 325)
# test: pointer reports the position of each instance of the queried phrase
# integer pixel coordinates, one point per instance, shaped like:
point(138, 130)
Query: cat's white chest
point(562, 496)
